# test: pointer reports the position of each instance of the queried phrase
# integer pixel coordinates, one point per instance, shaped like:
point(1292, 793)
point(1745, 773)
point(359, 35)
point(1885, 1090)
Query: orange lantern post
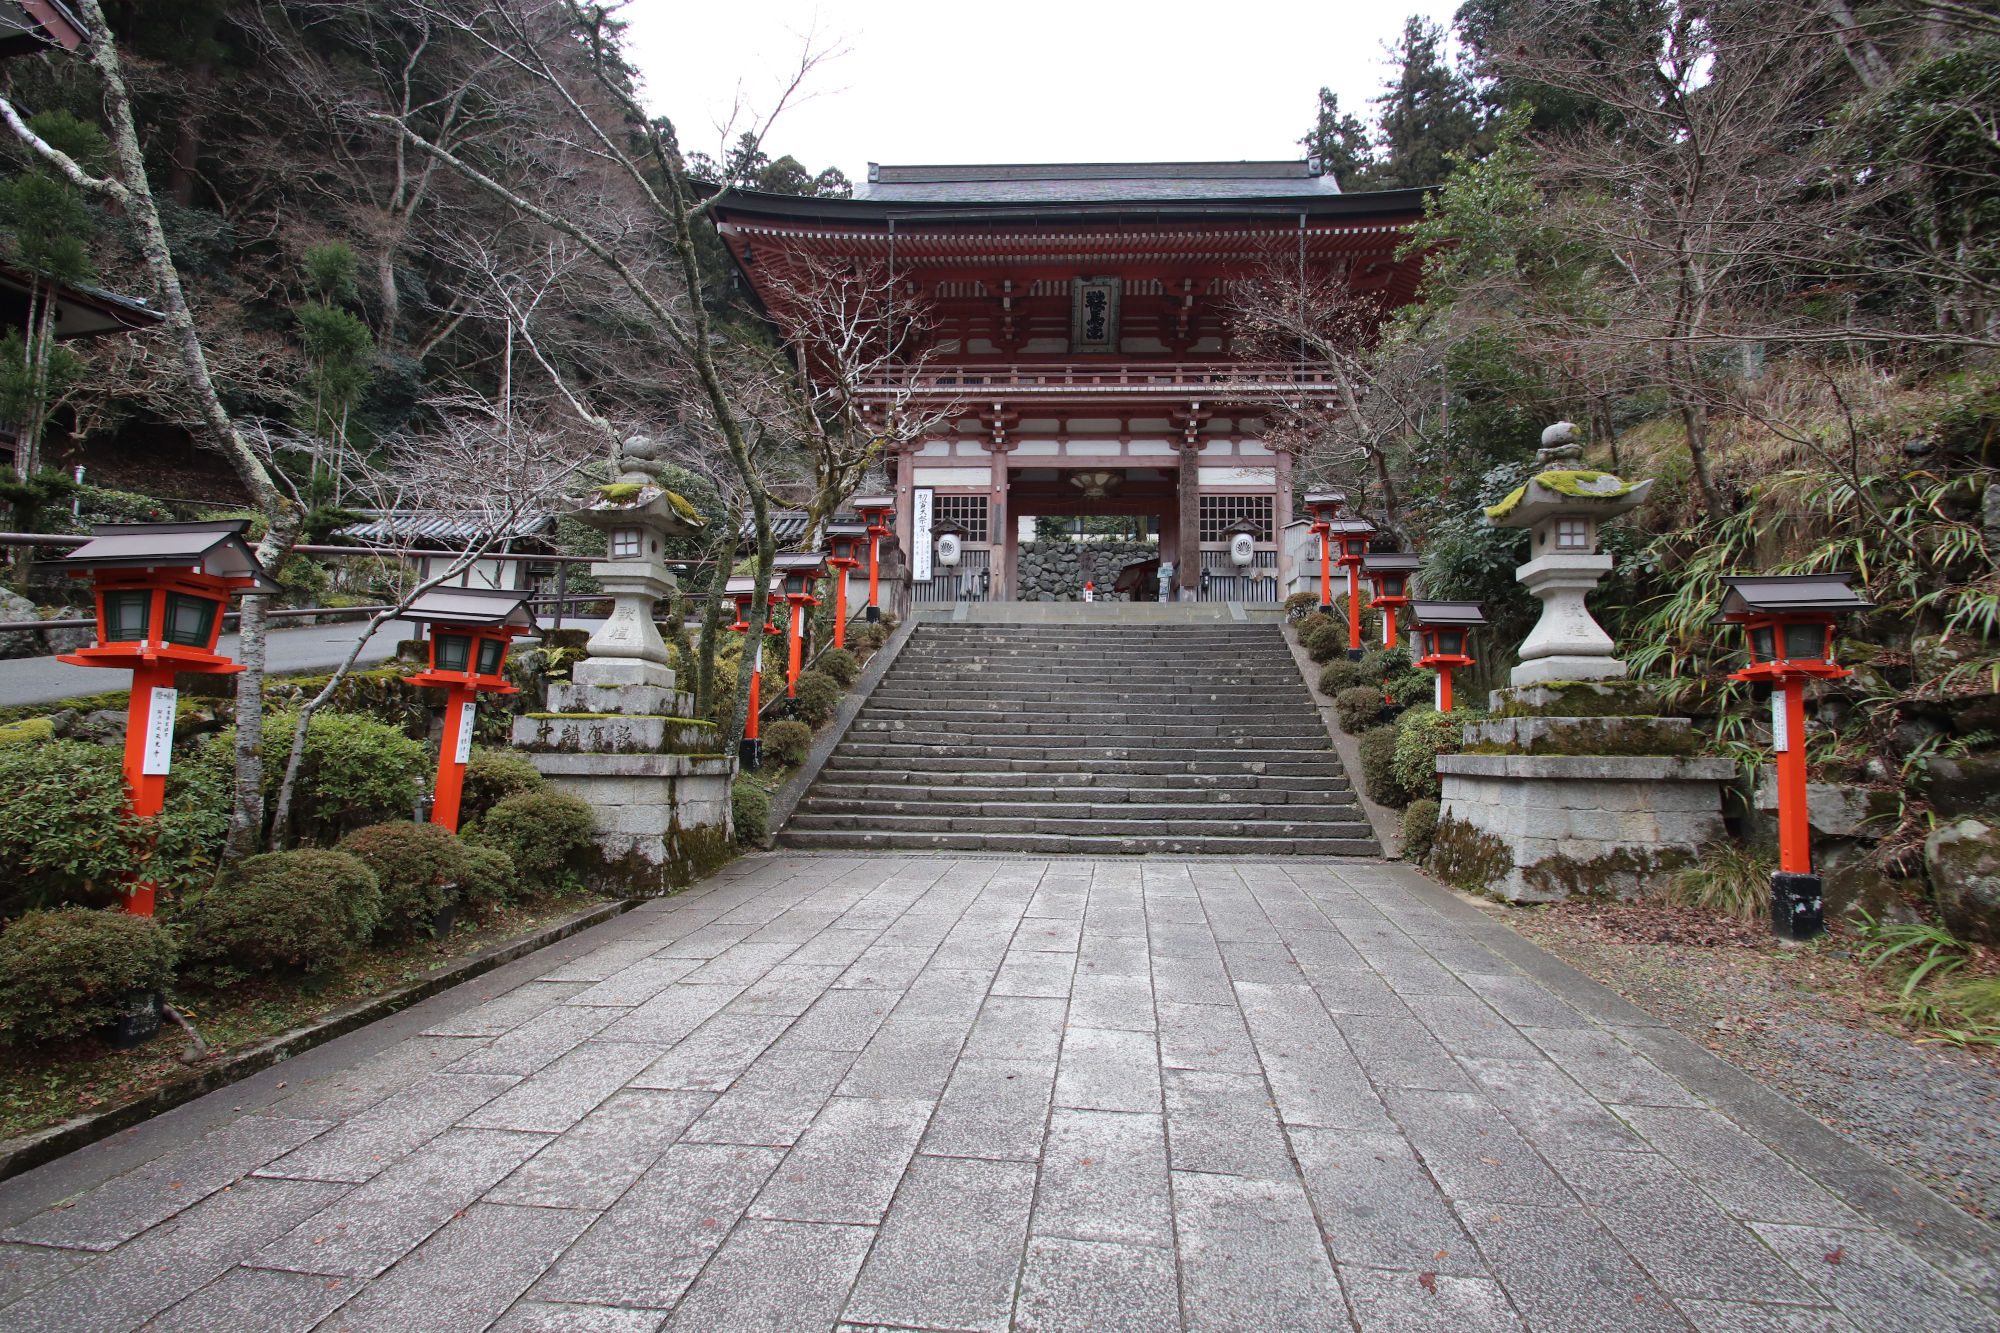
point(743, 591)
point(879, 513)
point(160, 589)
point(799, 570)
point(470, 629)
point(1389, 573)
point(1351, 535)
point(848, 542)
point(1439, 630)
point(1325, 508)
point(1788, 626)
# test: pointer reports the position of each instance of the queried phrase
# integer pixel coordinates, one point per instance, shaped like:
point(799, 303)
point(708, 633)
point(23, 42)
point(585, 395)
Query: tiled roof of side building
point(1092, 182)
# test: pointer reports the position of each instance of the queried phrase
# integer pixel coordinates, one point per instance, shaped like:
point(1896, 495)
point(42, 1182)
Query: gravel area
point(1802, 1021)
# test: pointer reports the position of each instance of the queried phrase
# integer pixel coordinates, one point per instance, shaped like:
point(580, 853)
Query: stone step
point(1322, 767)
point(1180, 749)
point(1042, 844)
point(935, 787)
point(1112, 728)
point(1095, 827)
point(904, 694)
point(895, 813)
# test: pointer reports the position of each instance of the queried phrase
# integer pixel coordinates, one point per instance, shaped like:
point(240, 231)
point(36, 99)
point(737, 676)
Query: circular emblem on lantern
point(1242, 550)
point(948, 549)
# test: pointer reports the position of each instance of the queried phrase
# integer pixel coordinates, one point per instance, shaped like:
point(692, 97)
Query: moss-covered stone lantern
point(638, 517)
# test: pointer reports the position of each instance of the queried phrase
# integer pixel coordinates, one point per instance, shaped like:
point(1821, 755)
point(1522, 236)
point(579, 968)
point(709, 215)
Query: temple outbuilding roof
point(1092, 182)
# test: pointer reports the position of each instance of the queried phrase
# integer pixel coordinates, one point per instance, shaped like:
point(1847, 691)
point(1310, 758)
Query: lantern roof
point(745, 585)
point(215, 547)
point(941, 526)
point(1447, 615)
point(490, 608)
point(1569, 493)
point(1391, 562)
point(847, 529)
point(1352, 527)
point(1796, 594)
point(798, 562)
point(861, 502)
point(1317, 498)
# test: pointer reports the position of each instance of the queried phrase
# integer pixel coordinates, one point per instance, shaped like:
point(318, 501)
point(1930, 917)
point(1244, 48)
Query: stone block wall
point(1055, 571)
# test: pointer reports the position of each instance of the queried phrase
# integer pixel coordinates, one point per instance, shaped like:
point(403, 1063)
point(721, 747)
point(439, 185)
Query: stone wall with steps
point(1055, 738)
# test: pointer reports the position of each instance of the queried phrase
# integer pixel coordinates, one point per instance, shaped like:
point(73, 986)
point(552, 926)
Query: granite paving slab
point(840, 1093)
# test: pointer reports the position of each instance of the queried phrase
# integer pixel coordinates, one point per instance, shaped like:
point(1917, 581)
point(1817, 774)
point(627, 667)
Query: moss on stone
point(1561, 877)
point(622, 492)
point(1596, 737)
point(1578, 698)
point(28, 731)
point(1583, 484)
point(1467, 858)
point(1506, 506)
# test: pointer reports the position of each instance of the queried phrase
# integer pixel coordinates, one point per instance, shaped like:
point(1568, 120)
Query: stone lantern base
point(1575, 790)
point(651, 773)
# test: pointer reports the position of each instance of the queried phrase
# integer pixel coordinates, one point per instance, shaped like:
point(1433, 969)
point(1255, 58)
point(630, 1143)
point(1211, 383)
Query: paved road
point(839, 1092)
point(34, 680)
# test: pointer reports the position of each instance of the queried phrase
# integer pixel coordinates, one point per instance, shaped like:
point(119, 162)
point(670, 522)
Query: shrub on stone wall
point(1422, 734)
point(750, 805)
point(841, 664)
point(869, 637)
point(303, 911)
point(541, 831)
point(1378, 767)
point(1420, 822)
point(1299, 604)
point(491, 777)
point(1311, 622)
point(66, 971)
point(1357, 708)
point(1326, 641)
point(818, 695)
point(1382, 663)
point(787, 742)
point(1337, 675)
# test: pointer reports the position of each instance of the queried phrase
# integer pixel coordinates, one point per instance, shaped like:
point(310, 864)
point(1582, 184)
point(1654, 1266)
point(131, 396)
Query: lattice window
point(1220, 512)
point(969, 510)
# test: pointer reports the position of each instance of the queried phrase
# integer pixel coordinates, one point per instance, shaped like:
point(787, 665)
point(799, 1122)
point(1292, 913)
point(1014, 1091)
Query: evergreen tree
point(1338, 141)
point(1429, 113)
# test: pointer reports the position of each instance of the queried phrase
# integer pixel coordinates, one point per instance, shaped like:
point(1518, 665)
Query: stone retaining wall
point(1055, 571)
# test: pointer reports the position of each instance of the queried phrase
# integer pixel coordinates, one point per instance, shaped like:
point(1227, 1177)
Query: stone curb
point(788, 796)
point(45, 1145)
point(1959, 1243)
point(1388, 825)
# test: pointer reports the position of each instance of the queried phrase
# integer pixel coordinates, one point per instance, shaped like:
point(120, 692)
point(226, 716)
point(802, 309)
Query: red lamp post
point(800, 571)
point(160, 589)
point(851, 544)
point(1325, 508)
point(470, 631)
point(1389, 572)
point(1440, 630)
point(743, 590)
point(879, 513)
point(1351, 535)
point(1788, 625)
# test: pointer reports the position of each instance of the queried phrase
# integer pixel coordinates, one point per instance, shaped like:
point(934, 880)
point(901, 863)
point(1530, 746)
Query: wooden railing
point(1260, 381)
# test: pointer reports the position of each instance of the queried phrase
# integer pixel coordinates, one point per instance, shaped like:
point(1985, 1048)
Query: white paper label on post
point(921, 508)
point(1437, 691)
point(466, 711)
point(159, 757)
point(1781, 738)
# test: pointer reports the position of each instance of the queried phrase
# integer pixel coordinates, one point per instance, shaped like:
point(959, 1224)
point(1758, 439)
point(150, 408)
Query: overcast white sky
point(1019, 80)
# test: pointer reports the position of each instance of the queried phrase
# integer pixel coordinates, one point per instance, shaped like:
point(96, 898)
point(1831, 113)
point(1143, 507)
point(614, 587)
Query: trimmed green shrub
point(304, 911)
point(1413, 687)
point(491, 777)
point(356, 771)
point(818, 695)
point(842, 665)
point(1337, 676)
point(1382, 663)
point(1422, 734)
point(1420, 826)
point(869, 637)
point(1378, 768)
point(1299, 603)
point(65, 834)
point(787, 742)
point(540, 831)
point(1358, 707)
point(1311, 623)
point(1326, 641)
point(66, 971)
point(750, 805)
point(486, 879)
point(416, 866)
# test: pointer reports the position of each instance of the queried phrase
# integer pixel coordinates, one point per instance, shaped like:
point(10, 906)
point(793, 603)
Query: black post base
point(1355, 654)
point(137, 1024)
point(1326, 608)
point(874, 614)
point(1798, 913)
point(750, 753)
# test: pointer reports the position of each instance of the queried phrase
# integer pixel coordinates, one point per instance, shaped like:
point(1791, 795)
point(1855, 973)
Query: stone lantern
point(799, 571)
point(1325, 508)
point(470, 631)
point(160, 589)
point(1788, 627)
point(1441, 630)
point(1351, 536)
point(848, 545)
point(1562, 510)
point(1389, 572)
point(743, 591)
point(638, 517)
point(879, 513)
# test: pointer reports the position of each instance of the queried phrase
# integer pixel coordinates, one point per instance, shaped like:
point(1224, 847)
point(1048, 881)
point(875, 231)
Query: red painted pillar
point(874, 575)
point(149, 739)
point(1326, 571)
point(460, 709)
point(1354, 611)
point(840, 606)
point(1788, 703)
point(795, 642)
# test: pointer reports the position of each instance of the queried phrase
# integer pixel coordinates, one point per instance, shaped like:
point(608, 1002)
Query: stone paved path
point(852, 1093)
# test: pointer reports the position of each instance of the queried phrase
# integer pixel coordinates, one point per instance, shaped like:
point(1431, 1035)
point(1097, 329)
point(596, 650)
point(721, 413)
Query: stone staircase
point(1085, 738)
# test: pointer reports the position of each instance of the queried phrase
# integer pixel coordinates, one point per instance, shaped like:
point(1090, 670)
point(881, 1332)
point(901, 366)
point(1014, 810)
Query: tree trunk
point(187, 143)
point(1695, 422)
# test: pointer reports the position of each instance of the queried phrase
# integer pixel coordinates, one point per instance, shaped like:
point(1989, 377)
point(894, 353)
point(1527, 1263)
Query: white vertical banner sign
point(1781, 736)
point(466, 711)
point(159, 756)
point(920, 535)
